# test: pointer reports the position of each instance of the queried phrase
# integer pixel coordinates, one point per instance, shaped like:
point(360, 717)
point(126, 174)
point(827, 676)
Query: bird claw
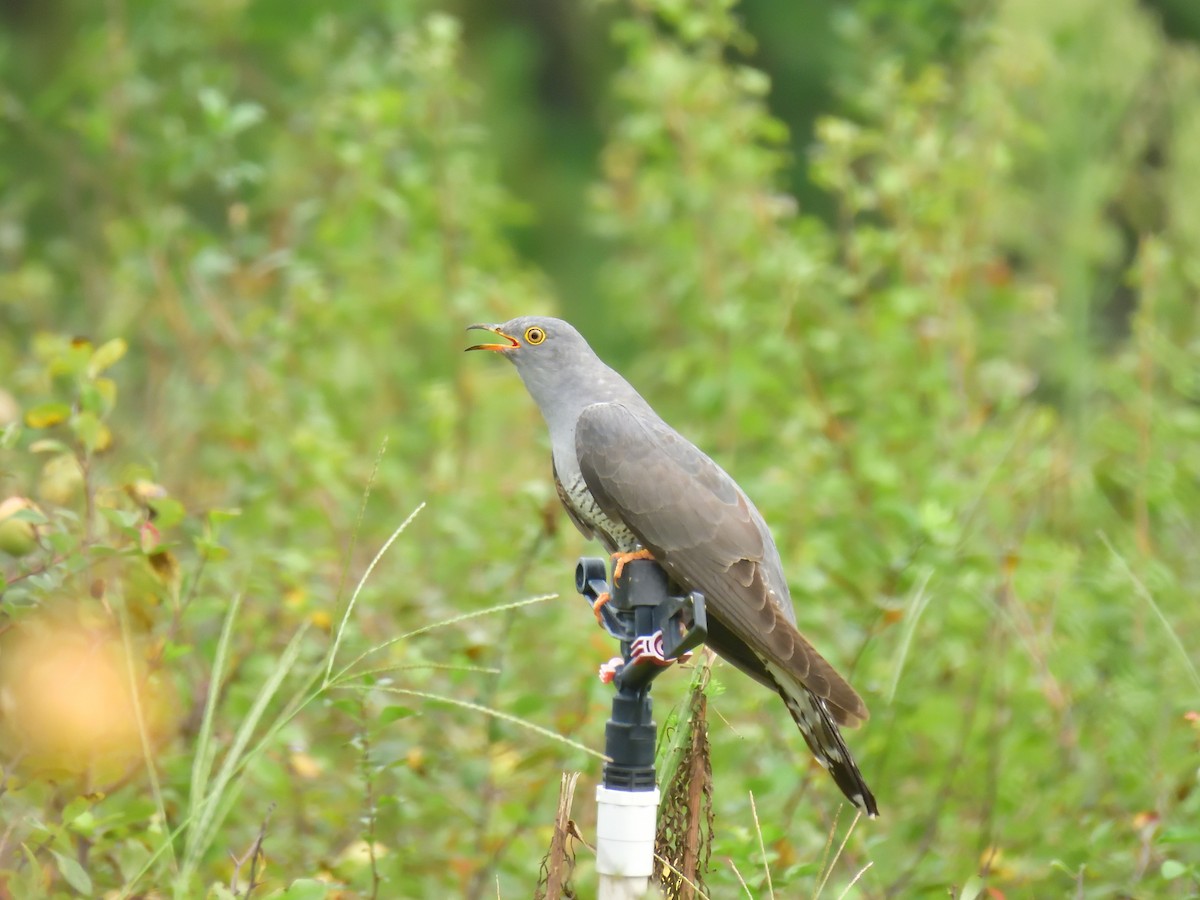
point(598, 605)
point(622, 558)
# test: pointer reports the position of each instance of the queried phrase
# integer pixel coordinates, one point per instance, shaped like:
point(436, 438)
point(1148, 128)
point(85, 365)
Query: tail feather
point(821, 733)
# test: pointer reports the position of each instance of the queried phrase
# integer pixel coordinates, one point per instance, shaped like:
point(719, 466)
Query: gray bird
point(629, 479)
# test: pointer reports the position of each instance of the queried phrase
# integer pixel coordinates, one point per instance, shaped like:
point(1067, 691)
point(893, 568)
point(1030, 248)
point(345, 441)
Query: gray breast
point(580, 502)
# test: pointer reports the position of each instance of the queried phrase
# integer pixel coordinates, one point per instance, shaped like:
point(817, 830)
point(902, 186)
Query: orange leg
point(622, 558)
point(600, 601)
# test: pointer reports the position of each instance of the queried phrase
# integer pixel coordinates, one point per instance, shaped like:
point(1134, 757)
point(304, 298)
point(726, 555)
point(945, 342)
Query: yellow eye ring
point(534, 335)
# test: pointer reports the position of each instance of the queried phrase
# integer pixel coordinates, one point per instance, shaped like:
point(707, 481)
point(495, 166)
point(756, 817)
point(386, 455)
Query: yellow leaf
point(106, 355)
point(61, 480)
point(415, 759)
point(47, 415)
point(305, 765)
point(103, 439)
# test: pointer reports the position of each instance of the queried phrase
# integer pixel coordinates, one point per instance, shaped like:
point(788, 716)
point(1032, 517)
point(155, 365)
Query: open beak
point(512, 344)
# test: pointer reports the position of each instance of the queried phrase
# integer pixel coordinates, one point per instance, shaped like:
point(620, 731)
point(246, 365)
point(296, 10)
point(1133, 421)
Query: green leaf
point(1172, 869)
point(1180, 836)
point(167, 511)
point(76, 808)
point(173, 651)
point(392, 713)
point(243, 116)
point(9, 435)
point(127, 519)
point(29, 514)
point(306, 889)
point(47, 415)
point(73, 873)
point(33, 873)
point(92, 433)
point(211, 551)
point(98, 397)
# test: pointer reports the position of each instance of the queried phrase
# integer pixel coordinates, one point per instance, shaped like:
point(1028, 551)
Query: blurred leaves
point(240, 242)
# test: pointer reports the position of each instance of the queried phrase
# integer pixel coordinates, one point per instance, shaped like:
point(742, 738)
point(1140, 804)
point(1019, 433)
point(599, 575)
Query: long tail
point(821, 734)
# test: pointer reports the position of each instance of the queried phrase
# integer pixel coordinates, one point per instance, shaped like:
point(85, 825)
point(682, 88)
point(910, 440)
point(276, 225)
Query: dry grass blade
point(853, 881)
point(559, 861)
point(669, 870)
point(837, 817)
point(837, 855)
point(740, 879)
point(762, 848)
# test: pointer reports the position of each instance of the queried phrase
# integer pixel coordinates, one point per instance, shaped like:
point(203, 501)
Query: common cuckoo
point(630, 480)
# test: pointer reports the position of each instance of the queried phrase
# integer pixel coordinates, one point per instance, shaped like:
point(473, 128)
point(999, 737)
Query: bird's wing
point(707, 534)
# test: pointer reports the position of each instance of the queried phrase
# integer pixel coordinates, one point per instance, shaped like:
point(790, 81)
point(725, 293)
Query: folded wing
point(707, 534)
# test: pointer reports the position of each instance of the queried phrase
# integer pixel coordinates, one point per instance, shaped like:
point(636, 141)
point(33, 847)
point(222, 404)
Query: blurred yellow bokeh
point(68, 705)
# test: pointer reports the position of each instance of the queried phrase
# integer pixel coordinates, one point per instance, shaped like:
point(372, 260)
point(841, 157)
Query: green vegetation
point(958, 369)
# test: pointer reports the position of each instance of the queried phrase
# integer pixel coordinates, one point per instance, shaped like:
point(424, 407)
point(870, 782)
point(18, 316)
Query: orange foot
point(622, 558)
point(600, 601)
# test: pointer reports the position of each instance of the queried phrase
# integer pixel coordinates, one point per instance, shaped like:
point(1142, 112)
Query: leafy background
point(923, 276)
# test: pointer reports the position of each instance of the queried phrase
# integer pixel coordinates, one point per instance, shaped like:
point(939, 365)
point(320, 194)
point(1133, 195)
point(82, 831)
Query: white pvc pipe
point(625, 841)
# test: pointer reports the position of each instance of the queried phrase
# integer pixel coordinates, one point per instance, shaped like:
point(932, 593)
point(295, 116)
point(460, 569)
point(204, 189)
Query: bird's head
point(558, 367)
point(537, 345)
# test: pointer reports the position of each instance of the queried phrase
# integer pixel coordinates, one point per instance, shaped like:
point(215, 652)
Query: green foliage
point(967, 402)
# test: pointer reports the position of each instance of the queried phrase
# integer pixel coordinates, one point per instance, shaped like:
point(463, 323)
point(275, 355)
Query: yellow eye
point(534, 335)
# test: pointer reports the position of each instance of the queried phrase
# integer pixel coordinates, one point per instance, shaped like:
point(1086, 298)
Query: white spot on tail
point(821, 733)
